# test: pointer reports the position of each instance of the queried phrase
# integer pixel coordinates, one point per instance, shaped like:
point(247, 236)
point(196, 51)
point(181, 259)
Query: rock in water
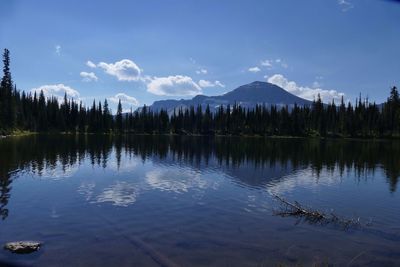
point(23, 247)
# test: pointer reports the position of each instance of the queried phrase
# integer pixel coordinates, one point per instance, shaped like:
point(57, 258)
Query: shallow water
point(196, 201)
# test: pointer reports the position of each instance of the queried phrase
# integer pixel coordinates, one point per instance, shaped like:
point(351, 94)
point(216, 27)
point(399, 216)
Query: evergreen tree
point(119, 117)
point(36, 112)
point(7, 104)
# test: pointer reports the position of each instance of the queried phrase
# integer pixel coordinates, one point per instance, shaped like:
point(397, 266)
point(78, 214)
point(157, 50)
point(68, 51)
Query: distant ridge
point(247, 96)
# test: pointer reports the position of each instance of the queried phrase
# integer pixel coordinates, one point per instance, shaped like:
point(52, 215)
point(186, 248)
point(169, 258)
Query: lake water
point(197, 201)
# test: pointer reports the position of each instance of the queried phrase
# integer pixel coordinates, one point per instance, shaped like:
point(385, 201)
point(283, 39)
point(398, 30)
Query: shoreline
point(28, 133)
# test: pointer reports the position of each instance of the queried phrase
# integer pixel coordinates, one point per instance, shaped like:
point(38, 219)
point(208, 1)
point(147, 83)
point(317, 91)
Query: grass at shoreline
point(16, 133)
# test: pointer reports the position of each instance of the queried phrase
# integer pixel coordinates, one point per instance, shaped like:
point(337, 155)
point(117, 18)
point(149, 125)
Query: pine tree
point(7, 105)
point(106, 116)
point(119, 117)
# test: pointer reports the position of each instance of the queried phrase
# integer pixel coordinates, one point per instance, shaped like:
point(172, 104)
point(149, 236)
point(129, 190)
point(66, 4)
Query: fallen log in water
point(295, 209)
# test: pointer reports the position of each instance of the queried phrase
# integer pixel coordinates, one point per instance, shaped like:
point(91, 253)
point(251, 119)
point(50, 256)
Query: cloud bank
point(177, 85)
point(254, 69)
point(304, 91)
point(124, 70)
point(88, 76)
point(345, 5)
point(173, 85)
point(90, 64)
point(271, 63)
point(57, 90)
point(205, 84)
point(201, 71)
point(125, 99)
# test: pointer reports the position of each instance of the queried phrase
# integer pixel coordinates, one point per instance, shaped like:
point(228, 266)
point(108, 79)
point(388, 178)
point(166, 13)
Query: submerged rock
point(23, 246)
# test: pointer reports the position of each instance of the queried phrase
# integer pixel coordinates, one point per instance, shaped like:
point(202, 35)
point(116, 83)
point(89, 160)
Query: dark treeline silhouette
point(248, 160)
point(34, 112)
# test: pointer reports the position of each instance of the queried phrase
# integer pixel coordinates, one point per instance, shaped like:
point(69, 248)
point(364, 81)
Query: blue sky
point(142, 51)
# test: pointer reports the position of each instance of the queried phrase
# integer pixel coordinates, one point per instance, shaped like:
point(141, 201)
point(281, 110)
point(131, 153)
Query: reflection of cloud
point(54, 213)
point(57, 172)
point(86, 189)
point(302, 179)
point(125, 165)
point(120, 194)
point(176, 180)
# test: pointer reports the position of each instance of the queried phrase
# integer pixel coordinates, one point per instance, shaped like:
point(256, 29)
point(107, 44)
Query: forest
point(22, 111)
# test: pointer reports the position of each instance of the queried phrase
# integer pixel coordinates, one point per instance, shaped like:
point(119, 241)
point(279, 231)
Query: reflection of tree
point(38, 154)
point(5, 188)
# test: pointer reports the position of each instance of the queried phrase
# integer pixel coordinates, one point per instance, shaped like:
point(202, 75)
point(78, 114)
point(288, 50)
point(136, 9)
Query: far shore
point(19, 133)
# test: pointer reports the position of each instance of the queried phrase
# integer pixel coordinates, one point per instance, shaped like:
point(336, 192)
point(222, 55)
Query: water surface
point(197, 201)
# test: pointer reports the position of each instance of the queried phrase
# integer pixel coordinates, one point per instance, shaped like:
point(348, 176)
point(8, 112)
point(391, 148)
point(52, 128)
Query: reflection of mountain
point(250, 161)
point(177, 180)
point(300, 179)
point(246, 173)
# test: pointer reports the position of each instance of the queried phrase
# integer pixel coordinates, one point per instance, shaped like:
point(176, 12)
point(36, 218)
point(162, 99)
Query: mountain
point(248, 96)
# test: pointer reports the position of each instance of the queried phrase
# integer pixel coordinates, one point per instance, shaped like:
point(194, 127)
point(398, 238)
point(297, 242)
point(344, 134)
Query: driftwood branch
point(312, 216)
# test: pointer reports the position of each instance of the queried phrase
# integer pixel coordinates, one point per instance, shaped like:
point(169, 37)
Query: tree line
point(37, 113)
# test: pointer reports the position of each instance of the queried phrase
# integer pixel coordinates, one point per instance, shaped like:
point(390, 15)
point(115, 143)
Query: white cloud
point(201, 71)
point(218, 83)
point(316, 84)
point(88, 76)
point(205, 83)
point(90, 64)
point(125, 99)
point(177, 85)
point(271, 63)
point(57, 90)
point(304, 91)
point(192, 60)
point(58, 49)
point(124, 70)
point(266, 63)
point(345, 5)
point(254, 69)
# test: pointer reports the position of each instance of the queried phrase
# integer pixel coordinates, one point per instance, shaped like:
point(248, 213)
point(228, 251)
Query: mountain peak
point(248, 96)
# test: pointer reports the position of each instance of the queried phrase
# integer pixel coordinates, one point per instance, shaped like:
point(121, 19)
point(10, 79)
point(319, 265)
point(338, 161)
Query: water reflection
point(253, 162)
point(166, 180)
point(119, 194)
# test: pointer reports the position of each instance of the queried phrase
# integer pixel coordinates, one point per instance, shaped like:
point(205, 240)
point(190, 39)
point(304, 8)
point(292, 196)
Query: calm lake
point(197, 201)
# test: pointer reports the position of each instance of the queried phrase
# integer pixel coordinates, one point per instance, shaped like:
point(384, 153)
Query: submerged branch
point(295, 209)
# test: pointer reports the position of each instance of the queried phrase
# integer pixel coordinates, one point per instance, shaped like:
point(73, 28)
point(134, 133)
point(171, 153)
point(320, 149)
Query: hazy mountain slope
point(246, 95)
